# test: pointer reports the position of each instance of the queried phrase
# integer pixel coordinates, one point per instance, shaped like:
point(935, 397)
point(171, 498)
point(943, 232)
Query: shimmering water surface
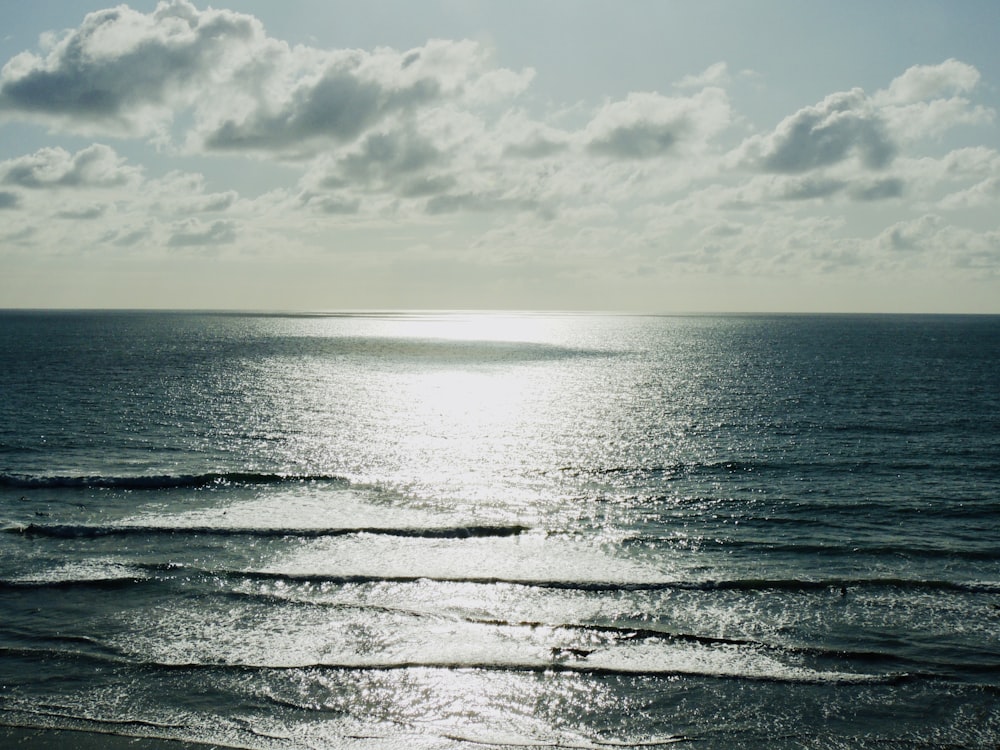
point(456, 531)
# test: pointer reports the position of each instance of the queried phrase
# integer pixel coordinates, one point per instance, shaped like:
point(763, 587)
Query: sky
point(652, 155)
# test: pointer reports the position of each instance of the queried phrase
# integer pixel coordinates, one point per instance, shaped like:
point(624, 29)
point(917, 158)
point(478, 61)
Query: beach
point(56, 739)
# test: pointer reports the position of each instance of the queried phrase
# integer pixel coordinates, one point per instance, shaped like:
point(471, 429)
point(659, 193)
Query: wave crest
point(85, 531)
point(162, 481)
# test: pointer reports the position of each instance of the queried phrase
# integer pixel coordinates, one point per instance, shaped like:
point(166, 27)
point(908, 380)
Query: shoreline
point(33, 738)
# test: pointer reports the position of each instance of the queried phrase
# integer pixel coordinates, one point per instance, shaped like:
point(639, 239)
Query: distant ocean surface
point(524, 530)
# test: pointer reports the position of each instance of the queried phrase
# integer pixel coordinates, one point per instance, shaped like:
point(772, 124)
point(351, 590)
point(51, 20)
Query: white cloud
point(126, 237)
point(869, 131)
point(923, 82)
point(854, 146)
point(716, 74)
point(450, 160)
point(185, 193)
point(96, 166)
point(195, 233)
point(911, 235)
point(351, 95)
point(925, 100)
point(843, 126)
point(931, 119)
point(867, 190)
point(84, 213)
point(807, 188)
point(984, 193)
point(938, 244)
point(101, 202)
point(960, 179)
point(389, 160)
point(975, 252)
point(964, 162)
point(431, 148)
point(125, 73)
point(528, 138)
point(649, 125)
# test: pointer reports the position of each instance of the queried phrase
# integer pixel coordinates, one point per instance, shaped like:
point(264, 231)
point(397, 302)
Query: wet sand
point(58, 739)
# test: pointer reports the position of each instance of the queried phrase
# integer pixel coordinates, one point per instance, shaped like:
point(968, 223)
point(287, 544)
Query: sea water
point(466, 530)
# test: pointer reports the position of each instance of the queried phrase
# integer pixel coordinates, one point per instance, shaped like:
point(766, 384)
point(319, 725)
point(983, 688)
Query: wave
point(85, 531)
point(843, 586)
point(621, 633)
point(626, 632)
point(107, 583)
point(162, 481)
point(70, 715)
point(20, 715)
point(683, 469)
point(854, 550)
point(568, 661)
point(589, 632)
point(563, 742)
point(672, 470)
point(141, 573)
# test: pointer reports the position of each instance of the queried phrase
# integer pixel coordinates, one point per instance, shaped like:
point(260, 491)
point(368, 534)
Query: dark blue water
point(467, 530)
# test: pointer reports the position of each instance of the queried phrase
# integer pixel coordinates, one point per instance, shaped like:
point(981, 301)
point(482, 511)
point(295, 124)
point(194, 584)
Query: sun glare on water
point(474, 325)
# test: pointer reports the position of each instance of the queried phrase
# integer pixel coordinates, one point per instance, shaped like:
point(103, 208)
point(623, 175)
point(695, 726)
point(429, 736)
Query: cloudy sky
point(651, 155)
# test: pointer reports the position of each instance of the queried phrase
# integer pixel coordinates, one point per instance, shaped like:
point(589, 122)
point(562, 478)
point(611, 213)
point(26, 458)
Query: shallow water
point(459, 530)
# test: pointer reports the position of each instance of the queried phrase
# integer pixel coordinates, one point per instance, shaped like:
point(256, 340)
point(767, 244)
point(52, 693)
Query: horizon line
point(380, 311)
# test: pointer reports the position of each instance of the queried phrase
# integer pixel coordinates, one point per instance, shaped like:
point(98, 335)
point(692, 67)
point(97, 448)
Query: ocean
point(469, 530)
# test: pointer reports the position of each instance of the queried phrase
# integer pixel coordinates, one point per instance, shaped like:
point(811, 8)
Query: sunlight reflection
point(468, 424)
point(468, 326)
point(452, 407)
point(479, 326)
